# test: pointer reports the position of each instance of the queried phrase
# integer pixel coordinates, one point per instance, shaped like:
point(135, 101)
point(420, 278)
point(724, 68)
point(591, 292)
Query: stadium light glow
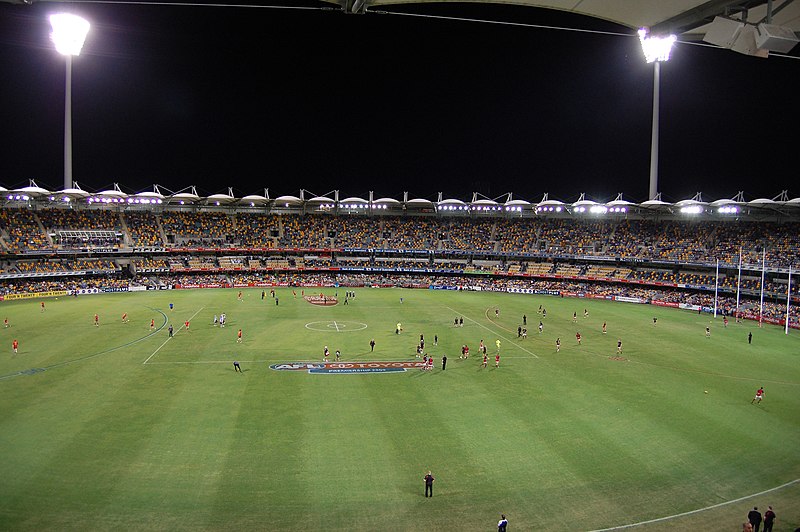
point(69, 34)
point(692, 209)
point(656, 48)
point(728, 210)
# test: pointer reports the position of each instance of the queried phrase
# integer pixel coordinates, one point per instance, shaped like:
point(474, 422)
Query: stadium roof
point(689, 18)
point(780, 205)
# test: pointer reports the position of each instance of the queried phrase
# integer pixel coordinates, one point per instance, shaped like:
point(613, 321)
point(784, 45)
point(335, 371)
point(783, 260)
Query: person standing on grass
point(372, 345)
point(170, 330)
point(428, 484)
point(502, 524)
point(96, 320)
point(558, 345)
point(239, 337)
point(769, 519)
point(236, 367)
point(754, 516)
point(750, 337)
point(15, 346)
point(444, 362)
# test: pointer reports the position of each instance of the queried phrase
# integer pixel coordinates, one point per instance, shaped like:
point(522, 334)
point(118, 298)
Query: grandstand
point(662, 250)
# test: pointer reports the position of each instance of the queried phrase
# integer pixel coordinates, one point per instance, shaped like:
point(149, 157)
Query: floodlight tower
point(69, 33)
point(656, 50)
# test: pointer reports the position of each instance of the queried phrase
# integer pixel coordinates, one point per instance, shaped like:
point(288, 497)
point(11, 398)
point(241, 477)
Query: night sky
point(315, 99)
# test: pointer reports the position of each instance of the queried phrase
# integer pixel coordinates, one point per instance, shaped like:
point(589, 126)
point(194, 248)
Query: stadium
point(178, 360)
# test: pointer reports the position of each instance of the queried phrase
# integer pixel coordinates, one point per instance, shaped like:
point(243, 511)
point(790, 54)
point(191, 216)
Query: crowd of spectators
point(22, 231)
point(654, 240)
point(144, 229)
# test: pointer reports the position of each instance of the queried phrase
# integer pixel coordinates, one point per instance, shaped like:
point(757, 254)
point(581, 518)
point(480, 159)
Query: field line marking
point(170, 338)
point(93, 355)
point(668, 517)
point(336, 325)
point(534, 355)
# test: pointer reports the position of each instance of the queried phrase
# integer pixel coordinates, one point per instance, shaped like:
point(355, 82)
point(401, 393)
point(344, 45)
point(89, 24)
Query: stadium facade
point(74, 240)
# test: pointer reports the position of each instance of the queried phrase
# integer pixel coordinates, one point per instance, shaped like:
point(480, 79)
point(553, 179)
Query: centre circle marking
point(336, 326)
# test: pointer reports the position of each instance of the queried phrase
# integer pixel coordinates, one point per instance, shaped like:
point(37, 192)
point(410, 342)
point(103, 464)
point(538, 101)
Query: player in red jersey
point(152, 324)
point(325, 354)
point(239, 337)
point(5, 323)
point(759, 394)
point(497, 360)
point(42, 306)
point(485, 359)
point(15, 346)
point(125, 317)
point(578, 337)
point(96, 320)
point(186, 324)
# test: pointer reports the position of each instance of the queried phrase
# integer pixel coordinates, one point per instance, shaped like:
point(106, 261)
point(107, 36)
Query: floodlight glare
point(69, 32)
point(656, 48)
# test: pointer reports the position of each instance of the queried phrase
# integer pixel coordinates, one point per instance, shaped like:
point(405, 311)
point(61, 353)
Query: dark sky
point(288, 99)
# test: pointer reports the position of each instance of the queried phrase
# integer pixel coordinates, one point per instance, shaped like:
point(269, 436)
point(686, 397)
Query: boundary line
point(93, 355)
point(534, 355)
point(668, 517)
point(170, 338)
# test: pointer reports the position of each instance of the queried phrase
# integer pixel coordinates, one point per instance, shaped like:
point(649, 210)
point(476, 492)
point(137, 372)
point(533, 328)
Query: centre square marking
point(336, 326)
point(348, 368)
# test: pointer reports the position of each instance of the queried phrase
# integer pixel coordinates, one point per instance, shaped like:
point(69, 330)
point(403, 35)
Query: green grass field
point(125, 429)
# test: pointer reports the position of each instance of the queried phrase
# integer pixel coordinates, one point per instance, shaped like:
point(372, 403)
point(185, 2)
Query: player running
point(578, 337)
point(15, 346)
point(485, 359)
point(759, 394)
point(558, 345)
point(497, 360)
point(186, 324)
point(619, 346)
point(152, 324)
point(239, 337)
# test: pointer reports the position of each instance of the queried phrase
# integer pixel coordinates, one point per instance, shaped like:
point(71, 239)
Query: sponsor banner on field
point(51, 293)
point(351, 368)
point(665, 304)
point(626, 299)
point(537, 292)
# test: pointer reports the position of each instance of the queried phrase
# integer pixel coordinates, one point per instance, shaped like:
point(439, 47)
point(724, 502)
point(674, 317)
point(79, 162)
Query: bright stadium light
point(69, 33)
point(656, 48)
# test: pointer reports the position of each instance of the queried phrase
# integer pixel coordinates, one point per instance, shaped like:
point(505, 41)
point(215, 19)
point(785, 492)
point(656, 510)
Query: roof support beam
point(702, 14)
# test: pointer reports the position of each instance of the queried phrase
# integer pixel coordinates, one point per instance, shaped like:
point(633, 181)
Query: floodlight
point(656, 48)
point(69, 33)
